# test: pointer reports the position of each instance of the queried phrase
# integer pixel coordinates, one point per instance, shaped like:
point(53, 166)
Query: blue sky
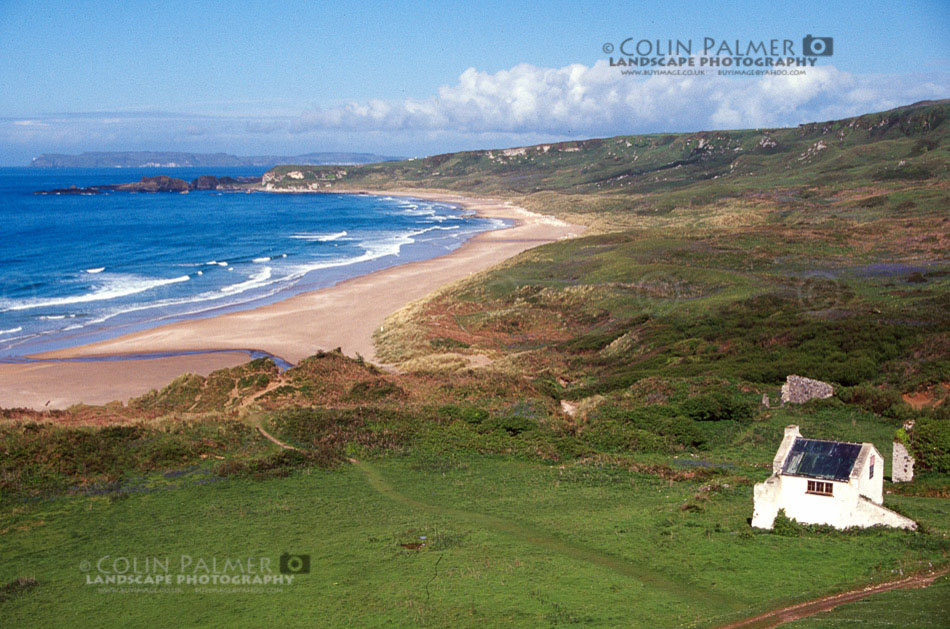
point(416, 78)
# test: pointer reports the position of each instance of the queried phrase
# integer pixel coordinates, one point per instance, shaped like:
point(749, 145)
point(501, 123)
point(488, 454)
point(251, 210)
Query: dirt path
point(781, 616)
point(270, 387)
point(274, 439)
point(640, 572)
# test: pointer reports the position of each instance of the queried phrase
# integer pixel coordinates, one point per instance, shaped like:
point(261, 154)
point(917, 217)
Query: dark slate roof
point(814, 458)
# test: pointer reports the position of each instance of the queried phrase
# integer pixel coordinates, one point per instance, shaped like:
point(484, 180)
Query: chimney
point(791, 433)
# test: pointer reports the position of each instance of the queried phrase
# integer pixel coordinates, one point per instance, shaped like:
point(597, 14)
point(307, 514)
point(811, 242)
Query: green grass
point(924, 608)
point(508, 542)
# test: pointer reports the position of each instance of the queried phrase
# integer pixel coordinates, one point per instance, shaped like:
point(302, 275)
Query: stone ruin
point(798, 390)
point(902, 461)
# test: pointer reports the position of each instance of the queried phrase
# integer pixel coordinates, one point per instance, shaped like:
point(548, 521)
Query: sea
point(76, 269)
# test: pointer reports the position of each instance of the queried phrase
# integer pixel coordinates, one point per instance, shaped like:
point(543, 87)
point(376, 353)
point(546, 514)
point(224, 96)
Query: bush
point(45, 458)
point(615, 436)
point(469, 414)
point(336, 430)
point(719, 406)
point(785, 526)
point(512, 424)
point(886, 402)
point(655, 428)
point(788, 527)
point(930, 442)
point(373, 390)
point(854, 371)
point(280, 464)
point(907, 171)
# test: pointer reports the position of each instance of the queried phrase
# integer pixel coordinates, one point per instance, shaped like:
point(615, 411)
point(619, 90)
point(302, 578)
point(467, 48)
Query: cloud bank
point(578, 99)
point(521, 105)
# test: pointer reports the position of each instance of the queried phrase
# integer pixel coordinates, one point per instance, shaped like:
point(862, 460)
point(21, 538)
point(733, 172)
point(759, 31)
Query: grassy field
point(457, 518)
point(569, 438)
point(506, 541)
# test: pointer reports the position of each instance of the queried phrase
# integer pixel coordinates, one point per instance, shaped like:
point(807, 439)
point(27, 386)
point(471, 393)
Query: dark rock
point(209, 182)
point(162, 183)
point(74, 190)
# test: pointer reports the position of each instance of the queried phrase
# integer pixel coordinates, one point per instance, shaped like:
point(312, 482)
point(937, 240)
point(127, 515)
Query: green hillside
point(570, 437)
point(889, 148)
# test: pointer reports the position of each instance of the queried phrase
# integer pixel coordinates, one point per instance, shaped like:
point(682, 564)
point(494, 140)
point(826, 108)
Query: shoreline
point(344, 315)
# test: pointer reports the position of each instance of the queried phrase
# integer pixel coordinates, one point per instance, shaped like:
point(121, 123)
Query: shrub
point(280, 464)
point(372, 390)
point(876, 400)
point(666, 427)
point(316, 429)
point(468, 414)
point(785, 526)
point(930, 442)
point(854, 371)
point(512, 424)
point(719, 406)
point(909, 172)
point(615, 436)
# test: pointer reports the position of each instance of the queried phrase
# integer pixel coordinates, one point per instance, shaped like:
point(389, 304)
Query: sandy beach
point(345, 315)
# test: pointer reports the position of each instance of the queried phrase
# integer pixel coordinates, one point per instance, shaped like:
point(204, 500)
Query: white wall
point(844, 508)
point(871, 487)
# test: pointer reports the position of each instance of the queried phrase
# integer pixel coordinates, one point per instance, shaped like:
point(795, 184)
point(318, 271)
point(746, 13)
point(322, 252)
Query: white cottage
point(825, 482)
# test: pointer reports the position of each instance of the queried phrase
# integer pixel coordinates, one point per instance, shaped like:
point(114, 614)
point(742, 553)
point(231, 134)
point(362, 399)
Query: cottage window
point(820, 488)
point(871, 474)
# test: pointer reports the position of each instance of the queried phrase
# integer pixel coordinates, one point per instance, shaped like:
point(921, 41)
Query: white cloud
point(577, 100)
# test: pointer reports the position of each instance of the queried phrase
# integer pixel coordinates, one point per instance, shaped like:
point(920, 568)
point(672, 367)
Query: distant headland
point(166, 159)
point(164, 183)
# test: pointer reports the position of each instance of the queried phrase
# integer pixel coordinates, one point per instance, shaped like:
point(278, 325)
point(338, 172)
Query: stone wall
point(798, 390)
point(902, 464)
point(902, 461)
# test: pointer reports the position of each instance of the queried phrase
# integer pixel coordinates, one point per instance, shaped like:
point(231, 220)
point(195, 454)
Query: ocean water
point(80, 268)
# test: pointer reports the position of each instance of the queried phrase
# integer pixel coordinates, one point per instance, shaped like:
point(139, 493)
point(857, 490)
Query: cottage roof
point(816, 458)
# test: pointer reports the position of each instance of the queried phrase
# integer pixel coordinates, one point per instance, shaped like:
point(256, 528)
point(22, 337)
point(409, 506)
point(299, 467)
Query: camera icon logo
point(818, 46)
point(294, 564)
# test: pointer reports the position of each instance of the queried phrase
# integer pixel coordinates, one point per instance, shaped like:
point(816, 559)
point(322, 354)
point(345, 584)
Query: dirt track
point(781, 616)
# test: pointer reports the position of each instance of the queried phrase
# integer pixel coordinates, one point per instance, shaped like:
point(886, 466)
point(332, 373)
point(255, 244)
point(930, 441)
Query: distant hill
point(906, 144)
point(167, 159)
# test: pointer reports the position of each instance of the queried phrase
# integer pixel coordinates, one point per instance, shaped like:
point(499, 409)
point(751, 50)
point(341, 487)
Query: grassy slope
point(520, 544)
point(710, 273)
